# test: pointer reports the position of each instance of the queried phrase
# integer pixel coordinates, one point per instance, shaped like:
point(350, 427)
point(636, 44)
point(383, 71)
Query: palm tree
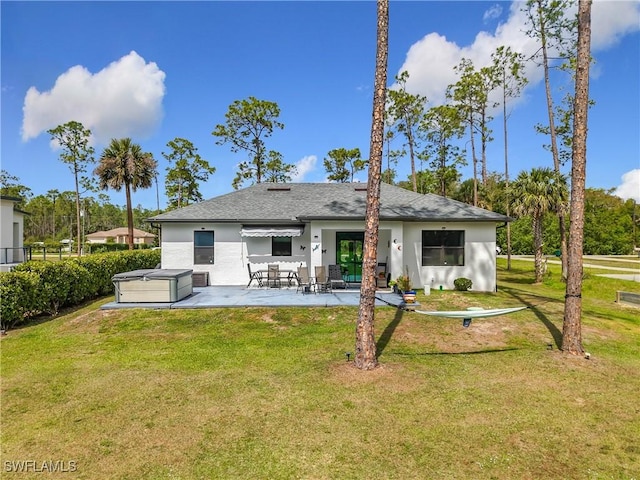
point(533, 194)
point(124, 164)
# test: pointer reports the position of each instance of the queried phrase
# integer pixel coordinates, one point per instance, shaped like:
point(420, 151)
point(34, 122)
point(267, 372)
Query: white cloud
point(430, 64)
point(122, 100)
point(430, 60)
point(304, 166)
point(630, 188)
point(494, 12)
point(611, 20)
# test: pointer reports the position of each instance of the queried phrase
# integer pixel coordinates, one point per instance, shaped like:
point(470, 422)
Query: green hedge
point(462, 284)
point(113, 247)
point(38, 287)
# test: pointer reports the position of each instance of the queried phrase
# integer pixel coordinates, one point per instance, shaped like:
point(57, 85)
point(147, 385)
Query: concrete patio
point(238, 296)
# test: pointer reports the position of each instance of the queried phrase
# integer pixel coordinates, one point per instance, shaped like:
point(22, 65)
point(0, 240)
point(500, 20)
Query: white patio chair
point(322, 282)
point(273, 276)
point(304, 281)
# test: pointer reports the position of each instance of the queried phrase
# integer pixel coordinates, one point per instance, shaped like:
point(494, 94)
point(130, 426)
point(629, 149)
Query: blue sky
point(159, 70)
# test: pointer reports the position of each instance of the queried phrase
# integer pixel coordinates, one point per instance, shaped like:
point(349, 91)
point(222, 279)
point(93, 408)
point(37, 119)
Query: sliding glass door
point(349, 247)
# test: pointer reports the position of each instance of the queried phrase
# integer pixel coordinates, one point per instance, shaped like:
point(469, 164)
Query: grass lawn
point(617, 262)
point(264, 393)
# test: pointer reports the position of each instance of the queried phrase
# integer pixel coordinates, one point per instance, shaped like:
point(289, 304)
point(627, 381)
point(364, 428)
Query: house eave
point(307, 219)
point(252, 221)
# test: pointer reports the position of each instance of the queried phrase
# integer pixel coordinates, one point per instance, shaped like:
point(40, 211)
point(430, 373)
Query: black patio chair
point(335, 277)
point(254, 276)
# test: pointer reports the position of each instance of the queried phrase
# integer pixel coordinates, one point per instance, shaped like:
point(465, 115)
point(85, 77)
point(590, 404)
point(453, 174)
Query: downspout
point(504, 225)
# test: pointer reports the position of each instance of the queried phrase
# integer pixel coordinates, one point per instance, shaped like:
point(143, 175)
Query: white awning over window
point(288, 231)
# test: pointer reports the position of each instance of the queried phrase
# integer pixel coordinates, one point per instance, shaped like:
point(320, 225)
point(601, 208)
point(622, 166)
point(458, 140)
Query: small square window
point(281, 246)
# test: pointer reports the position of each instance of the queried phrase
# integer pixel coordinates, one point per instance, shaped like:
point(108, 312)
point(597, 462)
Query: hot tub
point(153, 285)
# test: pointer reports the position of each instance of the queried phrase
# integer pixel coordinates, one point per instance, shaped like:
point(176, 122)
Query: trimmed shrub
point(18, 294)
point(462, 284)
point(52, 286)
point(114, 247)
point(37, 287)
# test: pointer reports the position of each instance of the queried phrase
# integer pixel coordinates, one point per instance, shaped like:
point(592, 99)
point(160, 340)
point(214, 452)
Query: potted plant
point(404, 286)
point(404, 283)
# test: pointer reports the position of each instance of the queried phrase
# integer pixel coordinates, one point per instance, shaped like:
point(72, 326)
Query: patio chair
point(254, 276)
point(335, 277)
point(304, 281)
point(322, 282)
point(273, 276)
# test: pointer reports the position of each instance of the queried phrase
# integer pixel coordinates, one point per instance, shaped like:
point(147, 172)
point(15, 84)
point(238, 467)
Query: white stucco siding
point(11, 233)
point(6, 233)
point(323, 240)
point(396, 255)
point(231, 252)
point(479, 256)
point(258, 253)
point(400, 244)
point(228, 267)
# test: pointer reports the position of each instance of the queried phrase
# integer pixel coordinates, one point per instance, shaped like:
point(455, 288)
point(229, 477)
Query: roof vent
point(278, 189)
point(361, 189)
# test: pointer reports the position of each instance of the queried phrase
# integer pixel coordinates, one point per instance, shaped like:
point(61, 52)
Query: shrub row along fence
point(35, 288)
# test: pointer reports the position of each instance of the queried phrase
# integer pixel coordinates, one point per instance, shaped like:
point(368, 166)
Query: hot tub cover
point(152, 274)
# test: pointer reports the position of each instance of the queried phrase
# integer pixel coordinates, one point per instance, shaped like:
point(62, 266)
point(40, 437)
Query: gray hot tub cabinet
point(153, 285)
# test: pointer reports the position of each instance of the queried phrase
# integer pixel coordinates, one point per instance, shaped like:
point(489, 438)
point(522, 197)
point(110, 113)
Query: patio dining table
point(290, 276)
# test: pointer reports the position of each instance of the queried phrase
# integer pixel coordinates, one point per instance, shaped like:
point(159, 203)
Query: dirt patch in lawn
point(447, 335)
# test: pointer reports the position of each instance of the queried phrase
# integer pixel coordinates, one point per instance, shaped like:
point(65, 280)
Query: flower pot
point(409, 296)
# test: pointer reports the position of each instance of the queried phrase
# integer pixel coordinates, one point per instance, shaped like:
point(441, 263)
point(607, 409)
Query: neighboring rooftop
point(120, 232)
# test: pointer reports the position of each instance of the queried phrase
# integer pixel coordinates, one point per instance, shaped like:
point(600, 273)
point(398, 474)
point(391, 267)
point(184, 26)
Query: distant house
point(435, 238)
point(121, 235)
point(12, 249)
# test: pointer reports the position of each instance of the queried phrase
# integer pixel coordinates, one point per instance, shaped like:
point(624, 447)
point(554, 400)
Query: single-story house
point(121, 235)
point(435, 239)
point(12, 249)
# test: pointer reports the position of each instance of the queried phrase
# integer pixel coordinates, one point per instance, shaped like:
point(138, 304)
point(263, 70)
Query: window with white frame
point(203, 247)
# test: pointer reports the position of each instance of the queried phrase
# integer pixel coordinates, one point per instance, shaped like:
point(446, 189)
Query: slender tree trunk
point(259, 163)
point(506, 168)
point(537, 241)
point(79, 235)
point(483, 145)
point(571, 327)
point(443, 180)
point(127, 189)
point(157, 195)
point(552, 134)
point(365, 357)
point(563, 243)
point(547, 86)
point(475, 164)
point(411, 156)
point(54, 218)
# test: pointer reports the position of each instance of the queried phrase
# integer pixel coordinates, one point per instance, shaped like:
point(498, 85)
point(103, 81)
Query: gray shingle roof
point(299, 202)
